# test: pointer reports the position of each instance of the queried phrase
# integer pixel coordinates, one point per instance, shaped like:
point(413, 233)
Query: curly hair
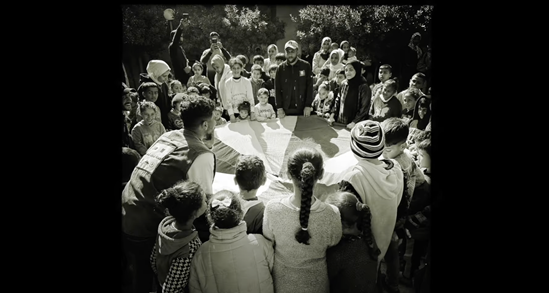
point(351, 207)
point(182, 200)
point(195, 110)
point(250, 172)
point(222, 216)
point(245, 106)
point(306, 166)
point(146, 105)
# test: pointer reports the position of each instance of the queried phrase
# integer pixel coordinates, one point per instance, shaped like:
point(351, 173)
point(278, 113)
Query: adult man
point(294, 84)
point(216, 48)
point(417, 81)
point(176, 155)
point(180, 62)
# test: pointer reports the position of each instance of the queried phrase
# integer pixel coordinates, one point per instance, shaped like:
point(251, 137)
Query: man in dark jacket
point(180, 63)
point(294, 84)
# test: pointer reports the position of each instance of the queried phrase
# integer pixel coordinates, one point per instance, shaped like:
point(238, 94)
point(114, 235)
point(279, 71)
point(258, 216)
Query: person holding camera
point(216, 48)
point(180, 63)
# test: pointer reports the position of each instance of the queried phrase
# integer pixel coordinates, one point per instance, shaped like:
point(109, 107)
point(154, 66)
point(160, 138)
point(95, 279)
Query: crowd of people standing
point(179, 235)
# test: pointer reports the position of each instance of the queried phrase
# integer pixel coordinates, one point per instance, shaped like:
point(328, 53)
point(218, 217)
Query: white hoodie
point(381, 190)
point(219, 81)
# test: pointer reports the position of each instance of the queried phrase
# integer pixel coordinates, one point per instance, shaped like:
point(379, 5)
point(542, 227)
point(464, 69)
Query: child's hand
point(331, 121)
point(350, 125)
point(273, 116)
point(233, 119)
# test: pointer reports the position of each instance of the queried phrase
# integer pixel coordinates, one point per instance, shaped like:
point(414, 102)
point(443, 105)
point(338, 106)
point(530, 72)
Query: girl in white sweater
point(237, 90)
point(302, 228)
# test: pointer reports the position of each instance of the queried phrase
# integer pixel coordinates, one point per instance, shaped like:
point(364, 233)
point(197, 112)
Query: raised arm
point(206, 55)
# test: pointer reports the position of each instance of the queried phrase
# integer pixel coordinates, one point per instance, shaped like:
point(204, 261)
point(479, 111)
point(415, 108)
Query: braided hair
point(350, 206)
point(306, 166)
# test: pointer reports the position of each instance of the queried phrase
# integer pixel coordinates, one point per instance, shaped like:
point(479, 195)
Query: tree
point(240, 30)
point(375, 31)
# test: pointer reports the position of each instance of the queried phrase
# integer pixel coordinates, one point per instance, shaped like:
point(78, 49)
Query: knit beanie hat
point(367, 139)
point(156, 68)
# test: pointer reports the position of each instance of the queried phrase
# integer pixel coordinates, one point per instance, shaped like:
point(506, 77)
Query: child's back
point(232, 260)
point(250, 175)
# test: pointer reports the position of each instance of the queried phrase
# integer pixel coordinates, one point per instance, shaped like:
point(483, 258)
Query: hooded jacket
point(172, 255)
point(294, 83)
point(219, 80)
point(381, 190)
point(233, 261)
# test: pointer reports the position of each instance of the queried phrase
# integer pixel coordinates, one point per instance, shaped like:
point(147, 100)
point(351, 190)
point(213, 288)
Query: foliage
point(375, 31)
point(240, 30)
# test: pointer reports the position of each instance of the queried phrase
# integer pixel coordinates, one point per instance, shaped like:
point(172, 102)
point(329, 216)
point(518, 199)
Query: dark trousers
point(211, 76)
point(138, 252)
point(392, 262)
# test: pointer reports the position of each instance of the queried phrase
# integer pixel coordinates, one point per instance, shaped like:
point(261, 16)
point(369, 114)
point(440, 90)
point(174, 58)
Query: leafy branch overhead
point(241, 30)
point(375, 31)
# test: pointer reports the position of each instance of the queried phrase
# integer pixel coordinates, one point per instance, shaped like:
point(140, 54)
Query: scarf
point(414, 47)
point(350, 92)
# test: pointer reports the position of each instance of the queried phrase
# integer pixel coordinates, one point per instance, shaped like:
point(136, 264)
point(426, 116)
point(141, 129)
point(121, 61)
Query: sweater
point(384, 109)
point(350, 268)
point(233, 261)
point(219, 82)
point(265, 111)
point(236, 92)
point(145, 135)
point(381, 190)
point(157, 114)
point(175, 121)
point(172, 255)
point(299, 267)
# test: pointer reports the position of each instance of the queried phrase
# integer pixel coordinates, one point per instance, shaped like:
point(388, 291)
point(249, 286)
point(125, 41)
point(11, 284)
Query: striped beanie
point(367, 139)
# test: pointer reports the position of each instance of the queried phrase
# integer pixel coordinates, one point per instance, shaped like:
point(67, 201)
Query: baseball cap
point(291, 44)
point(214, 34)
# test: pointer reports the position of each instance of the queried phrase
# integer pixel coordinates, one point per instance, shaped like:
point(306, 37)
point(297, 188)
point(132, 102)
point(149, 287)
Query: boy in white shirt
point(264, 110)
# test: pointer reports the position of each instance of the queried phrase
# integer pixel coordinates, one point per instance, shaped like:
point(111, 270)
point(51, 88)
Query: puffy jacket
point(233, 261)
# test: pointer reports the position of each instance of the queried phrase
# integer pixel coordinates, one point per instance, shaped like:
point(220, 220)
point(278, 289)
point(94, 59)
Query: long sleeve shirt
point(236, 92)
point(294, 86)
point(145, 135)
point(208, 54)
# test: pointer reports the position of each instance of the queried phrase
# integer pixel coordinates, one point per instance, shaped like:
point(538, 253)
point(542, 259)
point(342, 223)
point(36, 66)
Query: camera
point(185, 16)
point(214, 40)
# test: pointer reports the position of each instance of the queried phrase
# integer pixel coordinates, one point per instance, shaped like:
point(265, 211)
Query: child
point(148, 130)
point(417, 81)
point(334, 46)
point(217, 115)
point(335, 84)
point(231, 261)
point(422, 113)
point(193, 91)
point(279, 58)
point(197, 78)
point(352, 264)
point(206, 90)
point(244, 60)
point(334, 63)
point(174, 116)
point(237, 90)
point(264, 110)
point(149, 92)
point(323, 101)
point(259, 60)
point(244, 111)
point(377, 183)
point(345, 45)
point(249, 176)
point(384, 74)
point(418, 222)
point(177, 87)
point(322, 77)
point(177, 240)
point(272, 51)
point(256, 80)
point(352, 55)
point(409, 103)
point(386, 105)
point(269, 85)
point(302, 228)
point(126, 121)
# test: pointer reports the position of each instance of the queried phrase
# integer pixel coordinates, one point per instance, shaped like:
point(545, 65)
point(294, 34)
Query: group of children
point(299, 243)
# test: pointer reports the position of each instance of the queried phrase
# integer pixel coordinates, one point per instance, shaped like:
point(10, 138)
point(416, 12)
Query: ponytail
point(373, 251)
point(306, 184)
